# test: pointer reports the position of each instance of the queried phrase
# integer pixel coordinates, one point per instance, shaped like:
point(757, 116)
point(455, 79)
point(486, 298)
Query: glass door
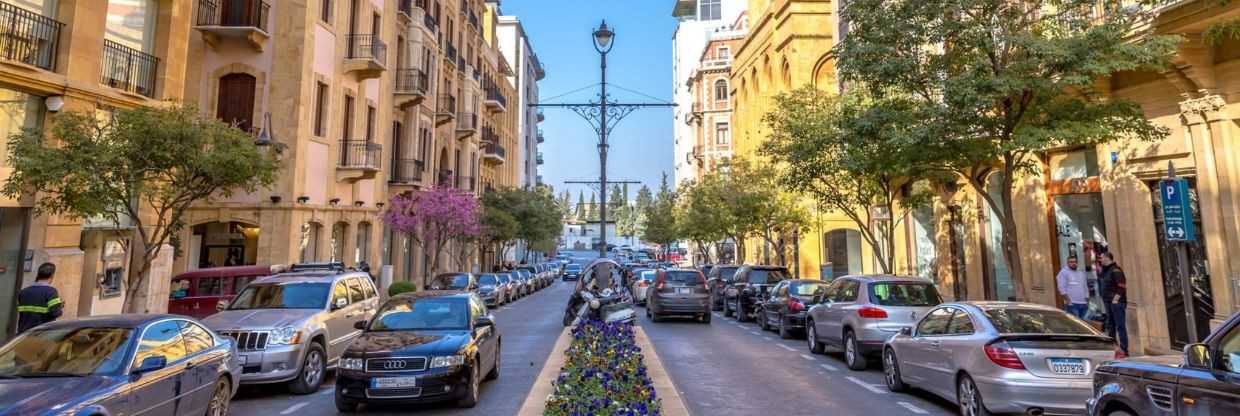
point(1198, 271)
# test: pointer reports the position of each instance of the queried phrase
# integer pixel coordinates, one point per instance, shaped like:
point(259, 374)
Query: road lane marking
point(872, 388)
point(807, 358)
point(913, 409)
point(786, 347)
point(294, 408)
point(828, 367)
point(327, 391)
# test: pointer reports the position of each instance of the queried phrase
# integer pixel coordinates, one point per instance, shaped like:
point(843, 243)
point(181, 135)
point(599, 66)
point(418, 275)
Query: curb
point(663, 386)
point(536, 402)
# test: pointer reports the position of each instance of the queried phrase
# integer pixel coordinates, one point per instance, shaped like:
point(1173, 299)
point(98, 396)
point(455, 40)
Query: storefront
point(1078, 216)
point(18, 111)
point(221, 244)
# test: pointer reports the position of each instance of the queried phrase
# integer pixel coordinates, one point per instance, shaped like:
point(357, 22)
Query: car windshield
point(682, 278)
point(573, 267)
point(61, 352)
point(648, 275)
point(1036, 321)
point(422, 314)
point(726, 273)
point(904, 294)
point(767, 276)
point(809, 289)
point(282, 296)
point(505, 279)
point(488, 280)
point(451, 282)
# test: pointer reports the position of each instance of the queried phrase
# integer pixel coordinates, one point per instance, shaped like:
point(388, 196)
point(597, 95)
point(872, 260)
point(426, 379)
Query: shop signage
point(1177, 210)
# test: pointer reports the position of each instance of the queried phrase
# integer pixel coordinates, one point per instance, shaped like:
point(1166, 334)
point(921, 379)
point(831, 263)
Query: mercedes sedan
point(421, 347)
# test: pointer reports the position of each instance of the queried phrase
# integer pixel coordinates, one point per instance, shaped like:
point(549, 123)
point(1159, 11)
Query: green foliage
point(401, 286)
point(995, 83)
point(533, 216)
point(145, 166)
point(660, 217)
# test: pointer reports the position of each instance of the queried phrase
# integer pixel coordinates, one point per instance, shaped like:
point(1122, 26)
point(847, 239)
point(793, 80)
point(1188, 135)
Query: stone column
point(1217, 175)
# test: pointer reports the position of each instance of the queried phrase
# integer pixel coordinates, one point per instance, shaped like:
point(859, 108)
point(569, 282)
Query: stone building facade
point(710, 117)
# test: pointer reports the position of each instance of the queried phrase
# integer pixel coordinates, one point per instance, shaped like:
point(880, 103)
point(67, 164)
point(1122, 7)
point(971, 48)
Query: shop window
point(1077, 164)
point(924, 243)
point(113, 259)
point(999, 276)
point(843, 253)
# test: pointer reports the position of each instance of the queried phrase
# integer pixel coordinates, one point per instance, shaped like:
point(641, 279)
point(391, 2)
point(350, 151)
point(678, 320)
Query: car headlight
point(447, 361)
point(352, 364)
point(285, 336)
point(594, 304)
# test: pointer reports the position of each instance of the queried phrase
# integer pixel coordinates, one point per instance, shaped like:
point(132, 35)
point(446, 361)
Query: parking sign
point(1177, 211)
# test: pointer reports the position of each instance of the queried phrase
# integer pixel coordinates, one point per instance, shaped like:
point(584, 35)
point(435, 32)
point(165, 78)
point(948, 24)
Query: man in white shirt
point(1073, 285)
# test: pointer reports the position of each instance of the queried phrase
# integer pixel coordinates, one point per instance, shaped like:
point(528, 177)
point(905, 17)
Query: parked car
point(490, 289)
point(531, 276)
point(511, 286)
point(748, 287)
point(454, 281)
point(292, 327)
point(705, 269)
point(785, 309)
point(428, 346)
point(1205, 379)
point(524, 277)
point(679, 292)
point(999, 357)
point(197, 293)
point(572, 271)
point(642, 280)
point(118, 365)
point(717, 280)
point(860, 313)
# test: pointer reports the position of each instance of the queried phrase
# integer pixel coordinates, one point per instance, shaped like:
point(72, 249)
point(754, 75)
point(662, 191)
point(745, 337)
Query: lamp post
point(603, 37)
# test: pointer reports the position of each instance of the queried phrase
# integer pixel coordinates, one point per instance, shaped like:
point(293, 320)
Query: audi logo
point(394, 365)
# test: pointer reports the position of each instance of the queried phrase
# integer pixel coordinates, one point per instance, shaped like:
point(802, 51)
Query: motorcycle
point(602, 294)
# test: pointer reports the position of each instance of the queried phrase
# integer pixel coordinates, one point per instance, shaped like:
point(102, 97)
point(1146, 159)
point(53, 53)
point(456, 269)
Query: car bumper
point(871, 338)
point(675, 305)
point(1054, 397)
point(491, 299)
point(276, 364)
point(794, 321)
point(432, 386)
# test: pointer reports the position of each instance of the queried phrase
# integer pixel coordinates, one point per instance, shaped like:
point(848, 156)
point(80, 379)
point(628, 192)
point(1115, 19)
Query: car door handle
point(936, 344)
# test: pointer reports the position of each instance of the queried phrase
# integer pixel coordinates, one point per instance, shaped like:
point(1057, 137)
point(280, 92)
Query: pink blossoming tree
point(433, 218)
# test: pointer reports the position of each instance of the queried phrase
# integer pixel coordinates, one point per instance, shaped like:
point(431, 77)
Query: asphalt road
point(529, 326)
point(730, 368)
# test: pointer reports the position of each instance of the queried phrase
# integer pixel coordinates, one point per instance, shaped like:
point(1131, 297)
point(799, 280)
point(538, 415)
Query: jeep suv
point(292, 327)
point(748, 287)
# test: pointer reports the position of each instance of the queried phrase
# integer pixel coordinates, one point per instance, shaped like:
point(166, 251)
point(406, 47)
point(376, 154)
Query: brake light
point(643, 283)
point(1003, 355)
point(871, 312)
point(795, 305)
point(661, 282)
point(702, 279)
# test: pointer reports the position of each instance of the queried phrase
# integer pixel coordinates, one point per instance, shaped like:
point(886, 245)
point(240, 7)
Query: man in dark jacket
point(1115, 296)
point(39, 303)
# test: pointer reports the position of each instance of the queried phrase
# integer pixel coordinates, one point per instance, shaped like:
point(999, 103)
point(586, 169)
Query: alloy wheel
point(810, 336)
point(219, 399)
point(968, 397)
point(314, 368)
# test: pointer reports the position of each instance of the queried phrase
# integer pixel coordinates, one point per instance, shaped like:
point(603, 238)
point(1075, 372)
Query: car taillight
point(661, 282)
point(871, 312)
point(795, 305)
point(705, 284)
point(643, 283)
point(1003, 355)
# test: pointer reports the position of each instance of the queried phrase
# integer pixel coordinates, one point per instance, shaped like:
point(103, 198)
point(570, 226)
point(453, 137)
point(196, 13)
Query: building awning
point(685, 8)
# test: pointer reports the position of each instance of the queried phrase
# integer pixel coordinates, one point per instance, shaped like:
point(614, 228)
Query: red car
point(196, 293)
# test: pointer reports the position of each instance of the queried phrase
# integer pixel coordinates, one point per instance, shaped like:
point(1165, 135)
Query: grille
point(394, 393)
point(1161, 396)
point(380, 365)
point(248, 340)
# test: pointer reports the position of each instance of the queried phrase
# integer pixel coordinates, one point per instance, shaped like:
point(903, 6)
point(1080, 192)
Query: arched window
point(843, 252)
point(310, 242)
point(235, 103)
point(721, 90)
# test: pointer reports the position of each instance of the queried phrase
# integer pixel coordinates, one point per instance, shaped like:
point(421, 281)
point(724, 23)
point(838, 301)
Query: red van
point(196, 293)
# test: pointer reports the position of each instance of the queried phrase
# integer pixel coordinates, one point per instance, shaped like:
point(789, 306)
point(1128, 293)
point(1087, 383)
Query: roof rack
point(307, 267)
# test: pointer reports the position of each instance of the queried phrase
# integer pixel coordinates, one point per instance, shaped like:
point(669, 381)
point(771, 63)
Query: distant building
point(699, 21)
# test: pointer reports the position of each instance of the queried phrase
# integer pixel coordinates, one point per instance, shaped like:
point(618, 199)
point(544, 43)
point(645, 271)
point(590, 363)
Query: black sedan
point(120, 364)
point(785, 307)
point(421, 347)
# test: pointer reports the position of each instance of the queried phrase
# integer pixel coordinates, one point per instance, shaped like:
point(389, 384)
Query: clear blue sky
point(560, 31)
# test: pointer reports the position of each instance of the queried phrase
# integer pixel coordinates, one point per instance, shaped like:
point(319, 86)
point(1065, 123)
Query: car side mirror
point(1198, 356)
point(484, 321)
point(221, 305)
point(360, 325)
point(150, 364)
point(340, 303)
point(906, 331)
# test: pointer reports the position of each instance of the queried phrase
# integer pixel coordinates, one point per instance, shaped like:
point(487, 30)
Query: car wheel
point(740, 312)
point(312, 369)
point(344, 405)
point(715, 305)
point(470, 399)
point(811, 338)
point(852, 353)
point(706, 318)
point(784, 333)
point(727, 307)
point(220, 398)
point(970, 398)
point(494, 374)
point(1119, 413)
point(891, 371)
point(763, 319)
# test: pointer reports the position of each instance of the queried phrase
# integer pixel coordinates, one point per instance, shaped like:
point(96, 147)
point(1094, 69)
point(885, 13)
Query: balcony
point(239, 19)
point(493, 153)
point(128, 69)
point(541, 139)
point(495, 100)
point(539, 158)
point(541, 115)
point(29, 38)
point(430, 22)
point(540, 71)
point(449, 51)
point(466, 124)
point(366, 55)
point(445, 111)
point(412, 85)
point(359, 159)
point(404, 10)
point(407, 171)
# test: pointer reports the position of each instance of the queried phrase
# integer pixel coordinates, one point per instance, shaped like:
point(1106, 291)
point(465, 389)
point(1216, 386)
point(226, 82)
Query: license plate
point(1068, 366)
point(393, 382)
point(684, 290)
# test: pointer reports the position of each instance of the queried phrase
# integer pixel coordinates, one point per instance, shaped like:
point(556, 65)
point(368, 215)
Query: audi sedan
point(118, 365)
point(431, 346)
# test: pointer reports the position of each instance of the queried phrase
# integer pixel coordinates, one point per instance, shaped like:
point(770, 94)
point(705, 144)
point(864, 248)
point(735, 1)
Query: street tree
point(996, 83)
point(700, 218)
point(579, 212)
point(499, 225)
point(660, 227)
point(143, 167)
point(433, 218)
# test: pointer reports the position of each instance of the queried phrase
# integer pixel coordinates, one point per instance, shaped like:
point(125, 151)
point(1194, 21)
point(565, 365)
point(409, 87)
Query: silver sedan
point(1000, 357)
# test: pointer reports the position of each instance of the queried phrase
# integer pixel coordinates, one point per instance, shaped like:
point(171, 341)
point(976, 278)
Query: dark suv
point(1205, 380)
point(749, 287)
point(717, 280)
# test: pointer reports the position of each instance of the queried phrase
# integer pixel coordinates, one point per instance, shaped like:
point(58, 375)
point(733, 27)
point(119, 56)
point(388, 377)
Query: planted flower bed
point(603, 374)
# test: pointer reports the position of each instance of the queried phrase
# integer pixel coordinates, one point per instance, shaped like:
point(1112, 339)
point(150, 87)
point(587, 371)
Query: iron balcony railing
point(540, 158)
point(467, 121)
point(359, 154)
point(234, 13)
point(492, 148)
point(450, 50)
point(407, 171)
point(412, 81)
point(405, 7)
point(28, 37)
point(540, 136)
point(129, 69)
point(447, 104)
point(494, 94)
point(430, 22)
point(366, 47)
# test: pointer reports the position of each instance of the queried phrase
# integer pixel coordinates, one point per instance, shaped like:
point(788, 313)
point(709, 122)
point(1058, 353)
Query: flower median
point(604, 374)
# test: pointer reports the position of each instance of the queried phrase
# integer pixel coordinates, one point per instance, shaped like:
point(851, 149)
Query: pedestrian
point(1073, 285)
point(1115, 296)
point(39, 303)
